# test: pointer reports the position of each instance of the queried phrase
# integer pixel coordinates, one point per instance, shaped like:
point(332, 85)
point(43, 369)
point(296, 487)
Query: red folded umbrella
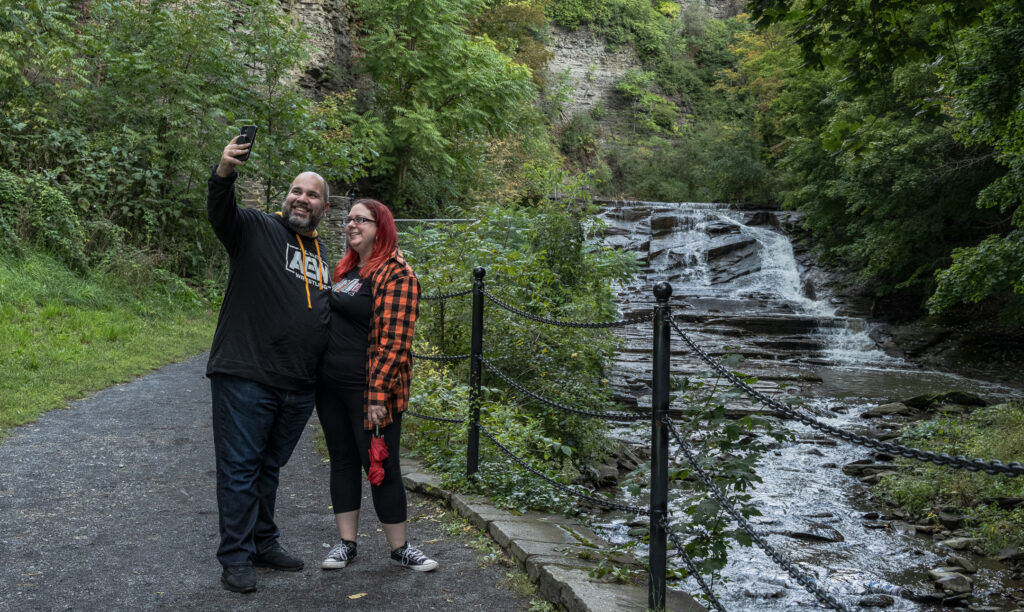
point(378, 453)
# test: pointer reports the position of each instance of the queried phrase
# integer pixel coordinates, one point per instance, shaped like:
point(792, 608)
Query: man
point(271, 332)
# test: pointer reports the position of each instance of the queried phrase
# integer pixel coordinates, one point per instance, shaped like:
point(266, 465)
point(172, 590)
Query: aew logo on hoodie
point(313, 270)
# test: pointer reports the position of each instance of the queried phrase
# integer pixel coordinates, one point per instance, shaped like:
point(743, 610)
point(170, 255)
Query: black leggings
point(341, 416)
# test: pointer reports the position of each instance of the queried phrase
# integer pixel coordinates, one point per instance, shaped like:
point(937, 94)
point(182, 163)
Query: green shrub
point(37, 212)
point(541, 260)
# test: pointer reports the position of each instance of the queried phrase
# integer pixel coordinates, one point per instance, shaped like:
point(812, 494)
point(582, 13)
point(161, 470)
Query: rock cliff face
point(583, 65)
point(329, 24)
point(580, 56)
point(590, 70)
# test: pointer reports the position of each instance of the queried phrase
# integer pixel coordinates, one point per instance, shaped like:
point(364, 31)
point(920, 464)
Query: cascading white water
point(682, 256)
point(738, 289)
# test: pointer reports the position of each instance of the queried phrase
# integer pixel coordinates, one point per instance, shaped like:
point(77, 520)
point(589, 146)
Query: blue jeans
point(255, 430)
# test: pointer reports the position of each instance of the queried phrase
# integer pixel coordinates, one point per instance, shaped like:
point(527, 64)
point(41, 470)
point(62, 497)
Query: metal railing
point(662, 429)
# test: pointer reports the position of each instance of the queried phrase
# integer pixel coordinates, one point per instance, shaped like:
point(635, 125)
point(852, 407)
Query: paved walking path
point(110, 505)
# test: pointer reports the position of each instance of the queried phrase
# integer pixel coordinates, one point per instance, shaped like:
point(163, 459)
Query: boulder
point(1011, 553)
point(954, 583)
point(966, 565)
point(961, 543)
point(815, 532)
point(891, 409)
point(876, 600)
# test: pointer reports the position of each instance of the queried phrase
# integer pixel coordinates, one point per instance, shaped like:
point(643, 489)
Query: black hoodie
point(274, 320)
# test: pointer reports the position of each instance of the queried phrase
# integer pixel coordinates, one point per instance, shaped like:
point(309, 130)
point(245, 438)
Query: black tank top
point(344, 362)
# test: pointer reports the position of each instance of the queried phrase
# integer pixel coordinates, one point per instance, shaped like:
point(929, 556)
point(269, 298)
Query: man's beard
point(301, 225)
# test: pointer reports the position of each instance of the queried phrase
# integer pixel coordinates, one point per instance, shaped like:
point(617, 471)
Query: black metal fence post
point(476, 351)
point(659, 447)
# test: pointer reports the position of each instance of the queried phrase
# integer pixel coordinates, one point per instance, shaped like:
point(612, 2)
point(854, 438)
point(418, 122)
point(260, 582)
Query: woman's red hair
point(384, 242)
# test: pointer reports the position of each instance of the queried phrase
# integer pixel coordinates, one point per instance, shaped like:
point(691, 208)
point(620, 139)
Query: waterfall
point(718, 261)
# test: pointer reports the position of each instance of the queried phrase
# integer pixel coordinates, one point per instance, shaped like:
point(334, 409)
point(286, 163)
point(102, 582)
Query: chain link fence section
point(564, 488)
point(445, 296)
point(808, 582)
point(690, 567)
point(611, 416)
point(576, 324)
point(960, 461)
point(440, 357)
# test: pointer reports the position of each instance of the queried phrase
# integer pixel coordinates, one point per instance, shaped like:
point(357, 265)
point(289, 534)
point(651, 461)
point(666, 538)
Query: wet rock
point(867, 467)
point(854, 468)
point(940, 572)
point(954, 583)
point(951, 520)
point(928, 529)
point(628, 213)
point(875, 524)
point(965, 564)
point(605, 475)
point(639, 532)
point(960, 397)
point(764, 591)
point(875, 600)
point(815, 532)
point(1011, 553)
point(830, 465)
point(955, 600)
point(718, 228)
point(892, 409)
point(876, 477)
point(949, 397)
point(961, 543)
point(764, 217)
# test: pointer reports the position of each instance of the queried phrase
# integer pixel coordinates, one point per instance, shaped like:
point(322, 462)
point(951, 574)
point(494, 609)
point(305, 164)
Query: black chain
point(690, 567)
point(445, 296)
point(539, 319)
point(808, 582)
point(433, 418)
point(440, 357)
point(960, 461)
point(564, 488)
point(611, 416)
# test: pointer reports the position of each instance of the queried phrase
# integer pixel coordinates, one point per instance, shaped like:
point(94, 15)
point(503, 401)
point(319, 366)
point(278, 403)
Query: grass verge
point(989, 503)
point(66, 335)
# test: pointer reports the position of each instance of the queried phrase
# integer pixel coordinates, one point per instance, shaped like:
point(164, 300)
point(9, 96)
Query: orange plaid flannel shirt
point(396, 296)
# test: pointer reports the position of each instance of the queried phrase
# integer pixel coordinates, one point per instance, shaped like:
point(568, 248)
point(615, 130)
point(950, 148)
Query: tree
point(989, 95)
point(123, 106)
point(440, 95)
point(917, 164)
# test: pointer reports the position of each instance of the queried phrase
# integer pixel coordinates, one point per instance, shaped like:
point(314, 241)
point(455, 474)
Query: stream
point(739, 289)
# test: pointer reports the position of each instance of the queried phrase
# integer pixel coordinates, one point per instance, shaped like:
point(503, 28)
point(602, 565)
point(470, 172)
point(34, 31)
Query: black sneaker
point(411, 557)
point(276, 557)
point(340, 556)
point(238, 578)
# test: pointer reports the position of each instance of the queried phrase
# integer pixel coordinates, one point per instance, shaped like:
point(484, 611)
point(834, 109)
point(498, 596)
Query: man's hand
point(376, 414)
point(229, 160)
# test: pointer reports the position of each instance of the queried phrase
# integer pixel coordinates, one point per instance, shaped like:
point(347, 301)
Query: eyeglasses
point(358, 220)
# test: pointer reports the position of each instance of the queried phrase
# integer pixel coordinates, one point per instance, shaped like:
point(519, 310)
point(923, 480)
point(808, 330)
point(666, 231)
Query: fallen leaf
point(357, 596)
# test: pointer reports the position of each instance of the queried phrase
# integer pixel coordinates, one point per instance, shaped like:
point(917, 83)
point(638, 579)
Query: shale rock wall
point(329, 24)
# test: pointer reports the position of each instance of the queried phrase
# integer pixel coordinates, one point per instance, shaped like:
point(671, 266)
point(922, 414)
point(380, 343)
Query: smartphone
point(247, 135)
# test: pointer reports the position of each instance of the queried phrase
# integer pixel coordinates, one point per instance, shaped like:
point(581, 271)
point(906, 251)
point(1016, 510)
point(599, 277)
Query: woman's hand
point(376, 413)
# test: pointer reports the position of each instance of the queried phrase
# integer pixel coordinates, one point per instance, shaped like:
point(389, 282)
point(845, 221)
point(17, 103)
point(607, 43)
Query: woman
point(364, 379)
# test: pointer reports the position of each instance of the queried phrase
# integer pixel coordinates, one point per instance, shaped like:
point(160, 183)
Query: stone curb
point(556, 552)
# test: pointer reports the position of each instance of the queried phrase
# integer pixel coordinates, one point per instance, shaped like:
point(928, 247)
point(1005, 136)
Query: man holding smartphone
point(271, 332)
